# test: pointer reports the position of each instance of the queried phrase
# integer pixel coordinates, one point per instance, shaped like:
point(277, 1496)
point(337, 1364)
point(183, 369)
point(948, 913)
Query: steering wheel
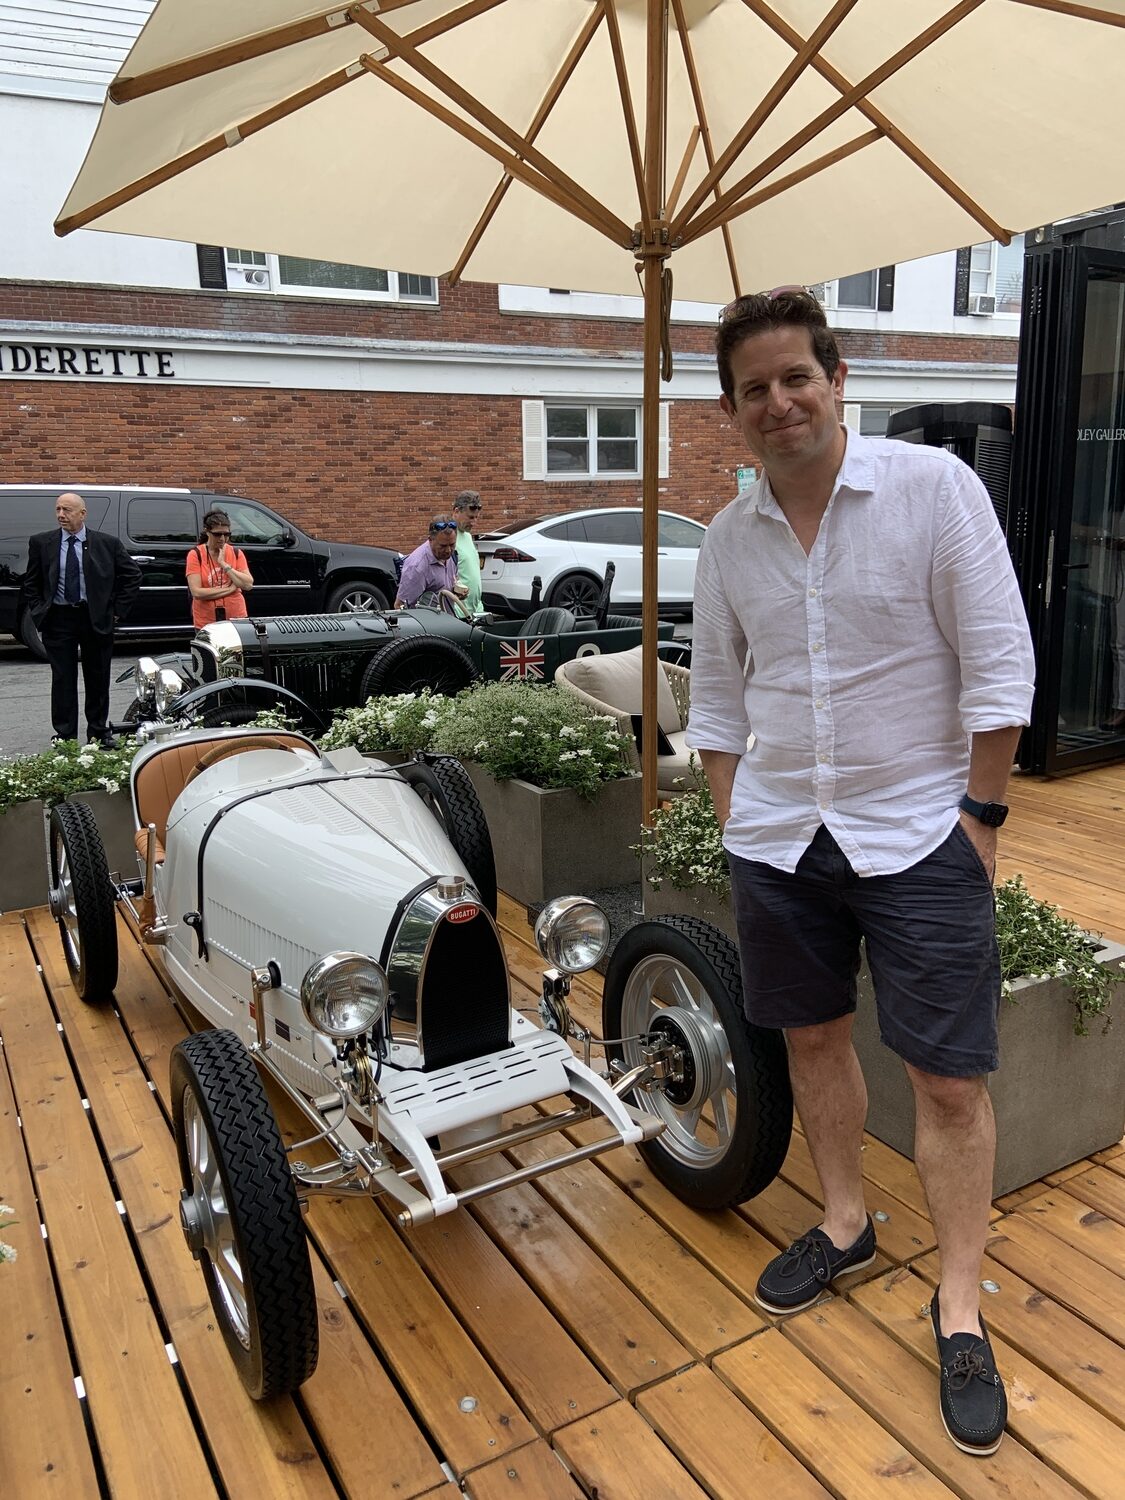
point(452, 604)
point(224, 748)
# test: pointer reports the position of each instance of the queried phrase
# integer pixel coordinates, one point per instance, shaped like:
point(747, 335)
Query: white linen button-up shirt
point(863, 669)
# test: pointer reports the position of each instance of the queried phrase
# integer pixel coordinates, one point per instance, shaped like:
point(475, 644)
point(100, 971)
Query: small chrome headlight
point(145, 674)
point(572, 933)
point(169, 686)
point(343, 994)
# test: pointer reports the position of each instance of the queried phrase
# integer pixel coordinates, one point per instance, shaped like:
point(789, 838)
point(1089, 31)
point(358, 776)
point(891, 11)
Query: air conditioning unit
point(256, 276)
point(982, 306)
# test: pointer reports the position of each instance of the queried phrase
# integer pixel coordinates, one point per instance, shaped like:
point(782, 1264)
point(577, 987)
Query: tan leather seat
point(162, 778)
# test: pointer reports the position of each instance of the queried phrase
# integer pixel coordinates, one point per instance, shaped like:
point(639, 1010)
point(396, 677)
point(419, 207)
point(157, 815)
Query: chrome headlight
point(343, 994)
point(572, 933)
point(169, 686)
point(145, 674)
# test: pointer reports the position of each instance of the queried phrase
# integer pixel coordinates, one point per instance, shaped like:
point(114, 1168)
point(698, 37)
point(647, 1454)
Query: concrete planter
point(1057, 1097)
point(113, 812)
point(23, 856)
point(554, 843)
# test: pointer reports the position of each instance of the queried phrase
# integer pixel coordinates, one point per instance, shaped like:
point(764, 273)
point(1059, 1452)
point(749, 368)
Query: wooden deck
point(588, 1335)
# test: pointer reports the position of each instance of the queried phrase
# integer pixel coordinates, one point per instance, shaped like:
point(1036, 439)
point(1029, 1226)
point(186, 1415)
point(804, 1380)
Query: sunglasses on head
point(443, 525)
point(743, 305)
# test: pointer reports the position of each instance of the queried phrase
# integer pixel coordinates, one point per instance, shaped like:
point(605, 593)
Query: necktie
point(72, 586)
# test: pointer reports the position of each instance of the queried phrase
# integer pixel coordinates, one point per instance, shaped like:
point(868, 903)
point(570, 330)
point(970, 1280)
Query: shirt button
point(812, 593)
point(824, 760)
point(818, 645)
point(824, 807)
point(819, 703)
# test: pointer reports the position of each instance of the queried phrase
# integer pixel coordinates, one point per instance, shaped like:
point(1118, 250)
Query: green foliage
point(406, 722)
point(64, 768)
point(537, 733)
point(684, 847)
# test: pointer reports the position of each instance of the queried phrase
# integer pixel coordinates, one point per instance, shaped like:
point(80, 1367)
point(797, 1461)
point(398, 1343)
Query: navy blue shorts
point(930, 932)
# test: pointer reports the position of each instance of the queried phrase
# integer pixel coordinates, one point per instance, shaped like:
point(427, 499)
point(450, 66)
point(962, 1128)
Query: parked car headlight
point(572, 933)
point(343, 994)
point(169, 685)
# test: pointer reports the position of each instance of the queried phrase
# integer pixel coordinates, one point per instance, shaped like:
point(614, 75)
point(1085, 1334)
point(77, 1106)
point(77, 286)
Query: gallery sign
point(85, 362)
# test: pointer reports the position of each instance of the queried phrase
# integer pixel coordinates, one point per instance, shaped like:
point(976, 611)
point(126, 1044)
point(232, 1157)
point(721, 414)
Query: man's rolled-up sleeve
point(718, 719)
point(979, 609)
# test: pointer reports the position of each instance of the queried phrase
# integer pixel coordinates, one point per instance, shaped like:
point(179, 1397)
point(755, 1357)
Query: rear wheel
point(444, 786)
point(240, 1214)
point(419, 661)
point(81, 901)
point(350, 598)
point(727, 1122)
point(578, 592)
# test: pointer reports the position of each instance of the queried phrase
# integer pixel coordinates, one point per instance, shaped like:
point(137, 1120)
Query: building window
point(857, 291)
point(256, 270)
point(995, 278)
point(586, 440)
point(865, 291)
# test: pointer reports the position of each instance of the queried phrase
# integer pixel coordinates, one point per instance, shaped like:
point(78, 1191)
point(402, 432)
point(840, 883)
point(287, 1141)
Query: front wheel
point(417, 662)
point(445, 787)
point(82, 901)
point(728, 1120)
point(578, 592)
point(240, 1214)
point(354, 598)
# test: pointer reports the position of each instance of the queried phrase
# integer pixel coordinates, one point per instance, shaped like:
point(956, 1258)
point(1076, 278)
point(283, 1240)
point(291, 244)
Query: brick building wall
point(366, 466)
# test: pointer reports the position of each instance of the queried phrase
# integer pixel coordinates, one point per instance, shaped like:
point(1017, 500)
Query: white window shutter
point(851, 415)
point(534, 440)
point(662, 467)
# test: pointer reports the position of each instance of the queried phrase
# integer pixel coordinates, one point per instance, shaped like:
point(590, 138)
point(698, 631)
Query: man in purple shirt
point(432, 565)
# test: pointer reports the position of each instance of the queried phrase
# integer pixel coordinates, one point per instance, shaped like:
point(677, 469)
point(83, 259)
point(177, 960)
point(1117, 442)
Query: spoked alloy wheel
point(577, 592)
point(240, 1214)
point(81, 901)
point(727, 1122)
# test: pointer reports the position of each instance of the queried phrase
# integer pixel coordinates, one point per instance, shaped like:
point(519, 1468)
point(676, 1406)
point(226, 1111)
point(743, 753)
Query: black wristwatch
point(991, 814)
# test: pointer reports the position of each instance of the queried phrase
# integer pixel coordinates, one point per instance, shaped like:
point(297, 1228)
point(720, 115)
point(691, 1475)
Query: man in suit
point(78, 584)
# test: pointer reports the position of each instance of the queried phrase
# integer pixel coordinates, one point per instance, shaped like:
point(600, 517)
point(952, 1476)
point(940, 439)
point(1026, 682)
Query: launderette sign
point(85, 362)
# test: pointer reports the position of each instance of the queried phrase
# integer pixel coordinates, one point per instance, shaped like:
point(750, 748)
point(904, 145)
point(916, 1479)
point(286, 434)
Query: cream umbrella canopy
point(580, 143)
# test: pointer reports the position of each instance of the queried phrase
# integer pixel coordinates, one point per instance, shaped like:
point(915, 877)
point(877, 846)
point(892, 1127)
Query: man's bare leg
point(831, 1099)
point(954, 1149)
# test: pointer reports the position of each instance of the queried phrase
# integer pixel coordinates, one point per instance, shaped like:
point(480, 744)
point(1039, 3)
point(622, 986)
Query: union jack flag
point(522, 659)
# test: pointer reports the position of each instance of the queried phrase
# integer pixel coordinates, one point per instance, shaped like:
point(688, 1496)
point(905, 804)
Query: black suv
point(293, 573)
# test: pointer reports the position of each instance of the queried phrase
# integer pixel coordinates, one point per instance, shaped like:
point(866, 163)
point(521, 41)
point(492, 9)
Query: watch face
point(992, 814)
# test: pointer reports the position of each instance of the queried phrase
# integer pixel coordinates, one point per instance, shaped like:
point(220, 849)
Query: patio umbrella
point(586, 143)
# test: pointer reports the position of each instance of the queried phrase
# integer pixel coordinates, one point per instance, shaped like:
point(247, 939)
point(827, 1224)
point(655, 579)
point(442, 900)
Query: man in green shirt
point(466, 509)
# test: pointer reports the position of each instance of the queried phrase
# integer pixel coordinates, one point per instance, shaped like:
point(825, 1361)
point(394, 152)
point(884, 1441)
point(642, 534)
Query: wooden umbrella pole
point(654, 252)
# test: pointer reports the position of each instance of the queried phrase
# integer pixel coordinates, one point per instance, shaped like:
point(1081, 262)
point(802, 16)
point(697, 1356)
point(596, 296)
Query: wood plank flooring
point(587, 1335)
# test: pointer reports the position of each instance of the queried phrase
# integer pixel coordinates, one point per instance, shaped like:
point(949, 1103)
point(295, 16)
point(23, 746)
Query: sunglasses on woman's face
point(219, 533)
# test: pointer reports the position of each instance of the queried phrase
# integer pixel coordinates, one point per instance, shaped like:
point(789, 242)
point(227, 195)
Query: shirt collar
point(856, 476)
point(79, 536)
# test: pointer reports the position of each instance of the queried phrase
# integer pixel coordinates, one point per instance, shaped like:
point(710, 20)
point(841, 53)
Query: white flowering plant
point(405, 722)
point(7, 1252)
point(534, 732)
point(63, 768)
point(684, 847)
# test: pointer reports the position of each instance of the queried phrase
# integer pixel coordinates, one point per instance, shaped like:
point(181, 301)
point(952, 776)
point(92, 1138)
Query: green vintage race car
point(312, 665)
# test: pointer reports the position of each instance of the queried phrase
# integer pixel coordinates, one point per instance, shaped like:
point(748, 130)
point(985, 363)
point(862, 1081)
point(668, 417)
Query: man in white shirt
point(857, 611)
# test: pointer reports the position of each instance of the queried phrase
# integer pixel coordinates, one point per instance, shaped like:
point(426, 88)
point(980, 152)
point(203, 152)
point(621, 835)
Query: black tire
point(29, 635)
point(419, 661)
point(444, 786)
point(548, 621)
point(82, 901)
point(733, 1067)
point(354, 597)
point(233, 717)
point(132, 714)
point(578, 592)
point(249, 1241)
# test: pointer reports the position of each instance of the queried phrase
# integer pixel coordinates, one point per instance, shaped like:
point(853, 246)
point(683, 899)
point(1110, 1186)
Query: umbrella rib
point(648, 209)
point(546, 105)
point(121, 90)
point(400, 48)
point(1079, 12)
point(793, 179)
point(704, 129)
point(693, 139)
point(853, 95)
point(513, 165)
point(802, 58)
point(896, 136)
point(209, 148)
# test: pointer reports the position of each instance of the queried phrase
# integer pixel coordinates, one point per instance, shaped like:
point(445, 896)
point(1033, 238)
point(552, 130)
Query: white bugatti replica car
point(334, 919)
